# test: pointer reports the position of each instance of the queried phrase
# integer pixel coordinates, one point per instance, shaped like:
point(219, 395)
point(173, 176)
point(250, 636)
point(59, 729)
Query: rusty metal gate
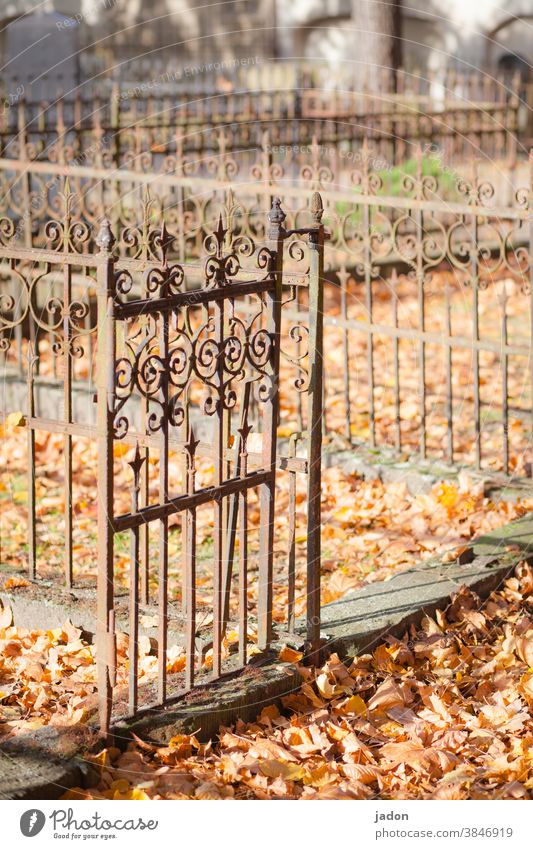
point(199, 348)
point(185, 360)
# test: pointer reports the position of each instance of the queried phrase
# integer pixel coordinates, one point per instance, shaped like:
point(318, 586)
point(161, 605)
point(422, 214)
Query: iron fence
point(431, 308)
point(412, 268)
point(427, 343)
point(192, 191)
point(462, 116)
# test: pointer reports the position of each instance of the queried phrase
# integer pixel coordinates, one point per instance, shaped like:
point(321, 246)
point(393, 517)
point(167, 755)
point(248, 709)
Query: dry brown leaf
point(411, 754)
point(387, 695)
point(6, 616)
point(289, 655)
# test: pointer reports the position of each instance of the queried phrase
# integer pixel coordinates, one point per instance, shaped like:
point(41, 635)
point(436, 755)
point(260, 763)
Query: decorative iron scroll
point(194, 351)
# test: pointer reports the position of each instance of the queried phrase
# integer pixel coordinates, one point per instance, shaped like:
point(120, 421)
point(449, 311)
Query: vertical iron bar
point(419, 228)
point(133, 651)
point(314, 427)
point(32, 532)
point(370, 338)
point(233, 509)
point(475, 336)
point(267, 493)
point(219, 466)
point(343, 277)
point(449, 363)
point(106, 402)
point(299, 403)
point(227, 536)
point(144, 531)
point(505, 381)
point(243, 557)
point(396, 361)
point(162, 597)
point(291, 590)
point(144, 534)
point(189, 545)
point(24, 177)
point(67, 416)
point(183, 520)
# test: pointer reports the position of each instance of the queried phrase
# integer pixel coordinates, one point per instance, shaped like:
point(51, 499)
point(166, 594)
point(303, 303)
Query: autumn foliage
point(444, 712)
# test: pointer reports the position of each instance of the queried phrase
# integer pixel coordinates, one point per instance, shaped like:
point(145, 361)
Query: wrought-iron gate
point(213, 333)
point(188, 379)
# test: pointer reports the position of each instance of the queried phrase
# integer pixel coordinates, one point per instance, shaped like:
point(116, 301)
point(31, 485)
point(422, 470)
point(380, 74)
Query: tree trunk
point(377, 43)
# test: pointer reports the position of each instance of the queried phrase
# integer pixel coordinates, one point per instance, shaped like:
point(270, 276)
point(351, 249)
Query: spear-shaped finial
point(244, 431)
point(136, 465)
point(220, 234)
point(166, 239)
point(190, 447)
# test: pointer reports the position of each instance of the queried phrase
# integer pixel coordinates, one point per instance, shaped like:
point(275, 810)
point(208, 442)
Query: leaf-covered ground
point(443, 713)
point(370, 529)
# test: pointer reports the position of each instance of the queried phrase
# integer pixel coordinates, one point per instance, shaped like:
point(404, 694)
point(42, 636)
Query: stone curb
point(418, 475)
point(46, 606)
point(202, 712)
point(45, 763)
point(358, 621)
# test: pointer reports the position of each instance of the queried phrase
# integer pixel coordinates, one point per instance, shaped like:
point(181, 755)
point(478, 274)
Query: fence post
point(314, 425)
point(276, 233)
point(105, 629)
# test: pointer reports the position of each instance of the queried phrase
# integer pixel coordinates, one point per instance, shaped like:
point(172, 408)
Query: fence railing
point(413, 270)
point(462, 116)
point(185, 359)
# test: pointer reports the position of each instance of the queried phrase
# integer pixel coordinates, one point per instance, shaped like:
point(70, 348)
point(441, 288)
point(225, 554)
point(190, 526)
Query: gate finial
point(317, 208)
point(105, 238)
point(276, 217)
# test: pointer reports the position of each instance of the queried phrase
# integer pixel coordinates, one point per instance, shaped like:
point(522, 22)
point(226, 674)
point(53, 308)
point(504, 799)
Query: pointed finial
point(166, 239)
point(31, 357)
point(244, 431)
point(69, 199)
point(317, 208)
point(191, 445)
point(220, 234)
point(105, 238)
point(136, 465)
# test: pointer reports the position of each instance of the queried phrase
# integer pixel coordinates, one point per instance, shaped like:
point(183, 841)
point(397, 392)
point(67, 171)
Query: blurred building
point(60, 43)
